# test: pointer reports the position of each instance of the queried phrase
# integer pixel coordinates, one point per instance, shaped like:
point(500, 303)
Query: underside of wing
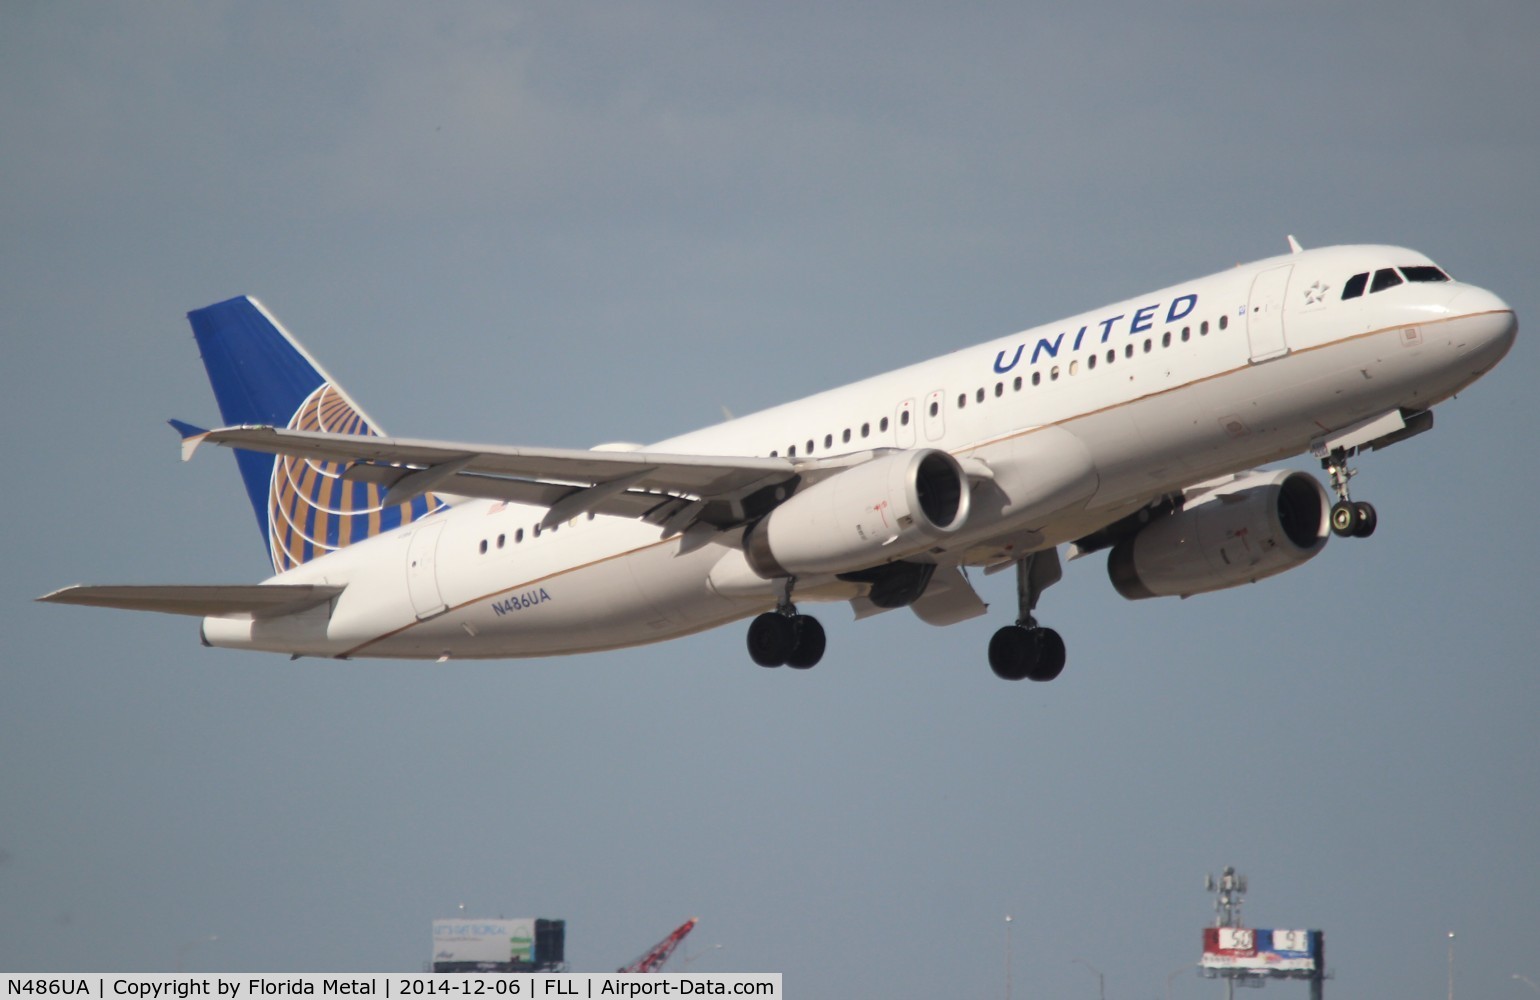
point(223, 601)
point(670, 490)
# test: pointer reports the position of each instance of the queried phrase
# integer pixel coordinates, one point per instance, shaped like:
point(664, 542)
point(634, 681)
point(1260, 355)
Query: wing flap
point(201, 601)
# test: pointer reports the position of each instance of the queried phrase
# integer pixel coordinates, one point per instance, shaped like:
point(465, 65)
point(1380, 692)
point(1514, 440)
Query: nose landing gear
point(1348, 519)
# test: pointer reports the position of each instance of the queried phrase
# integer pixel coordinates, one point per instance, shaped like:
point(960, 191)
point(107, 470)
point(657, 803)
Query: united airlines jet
point(1136, 429)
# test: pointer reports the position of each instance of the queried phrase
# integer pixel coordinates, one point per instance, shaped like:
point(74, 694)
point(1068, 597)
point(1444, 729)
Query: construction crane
point(652, 960)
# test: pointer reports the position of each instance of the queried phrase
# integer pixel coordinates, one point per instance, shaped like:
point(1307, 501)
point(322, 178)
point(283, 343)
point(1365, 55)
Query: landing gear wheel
point(1344, 519)
point(1020, 653)
point(1367, 518)
point(772, 639)
point(808, 647)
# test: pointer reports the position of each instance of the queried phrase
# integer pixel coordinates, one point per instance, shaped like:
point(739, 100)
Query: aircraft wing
point(671, 490)
point(238, 600)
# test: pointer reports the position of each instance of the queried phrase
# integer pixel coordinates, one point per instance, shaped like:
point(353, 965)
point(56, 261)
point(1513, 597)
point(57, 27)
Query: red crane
point(652, 960)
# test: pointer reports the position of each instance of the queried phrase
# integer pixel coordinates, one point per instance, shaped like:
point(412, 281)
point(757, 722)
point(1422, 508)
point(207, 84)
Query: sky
point(564, 224)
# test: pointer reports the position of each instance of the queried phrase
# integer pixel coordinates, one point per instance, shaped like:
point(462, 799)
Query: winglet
point(192, 436)
point(1294, 246)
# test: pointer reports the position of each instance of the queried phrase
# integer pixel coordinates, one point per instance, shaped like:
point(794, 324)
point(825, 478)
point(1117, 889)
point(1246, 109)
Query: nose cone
point(1488, 322)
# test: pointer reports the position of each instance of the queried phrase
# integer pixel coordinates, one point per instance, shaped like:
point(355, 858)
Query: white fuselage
point(1078, 423)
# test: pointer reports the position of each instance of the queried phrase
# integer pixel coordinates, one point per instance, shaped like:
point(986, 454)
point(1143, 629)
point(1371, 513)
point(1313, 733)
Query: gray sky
point(562, 224)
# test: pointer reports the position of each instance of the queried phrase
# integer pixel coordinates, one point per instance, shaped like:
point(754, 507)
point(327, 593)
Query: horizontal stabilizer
point(227, 601)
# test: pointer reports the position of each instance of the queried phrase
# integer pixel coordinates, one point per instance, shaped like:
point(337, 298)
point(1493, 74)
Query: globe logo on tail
point(311, 509)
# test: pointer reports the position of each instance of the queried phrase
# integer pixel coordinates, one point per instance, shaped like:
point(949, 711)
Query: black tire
point(1344, 519)
point(808, 647)
point(1368, 520)
point(771, 639)
point(1010, 650)
point(1049, 655)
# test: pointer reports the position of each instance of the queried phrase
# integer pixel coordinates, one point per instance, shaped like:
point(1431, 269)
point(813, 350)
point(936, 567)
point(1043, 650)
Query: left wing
point(670, 490)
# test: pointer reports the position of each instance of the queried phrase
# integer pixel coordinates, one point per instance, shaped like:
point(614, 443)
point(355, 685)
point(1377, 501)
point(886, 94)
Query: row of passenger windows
point(809, 447)
point(501, 540)
point(1390, 277)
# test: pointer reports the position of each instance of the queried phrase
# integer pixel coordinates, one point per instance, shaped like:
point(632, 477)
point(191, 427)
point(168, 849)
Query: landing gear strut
point(1026, 649)
point(784, 638)
point(1348, 519)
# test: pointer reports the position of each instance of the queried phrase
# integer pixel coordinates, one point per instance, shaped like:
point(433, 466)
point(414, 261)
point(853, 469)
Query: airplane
point(1138, 429)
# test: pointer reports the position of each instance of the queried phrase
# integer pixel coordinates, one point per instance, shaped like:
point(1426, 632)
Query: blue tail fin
point(261, 375)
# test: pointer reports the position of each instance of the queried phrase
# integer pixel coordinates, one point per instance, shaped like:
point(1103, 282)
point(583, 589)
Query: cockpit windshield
point(1390, 277)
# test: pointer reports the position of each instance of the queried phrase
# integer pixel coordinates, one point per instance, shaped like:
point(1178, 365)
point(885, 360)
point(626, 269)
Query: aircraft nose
point(1492, 323)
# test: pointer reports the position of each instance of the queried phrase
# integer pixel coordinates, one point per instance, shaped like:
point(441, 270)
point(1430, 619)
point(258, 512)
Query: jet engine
point(1255, 525)
point(883, 510)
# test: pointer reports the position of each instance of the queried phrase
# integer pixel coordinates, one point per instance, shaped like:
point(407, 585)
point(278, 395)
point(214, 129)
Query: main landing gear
point(1026, 650)
point(784, 638)
point(1348, 519)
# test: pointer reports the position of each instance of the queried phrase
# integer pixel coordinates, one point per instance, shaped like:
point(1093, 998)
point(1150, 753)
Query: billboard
point(500, 941)
point(1257, 951)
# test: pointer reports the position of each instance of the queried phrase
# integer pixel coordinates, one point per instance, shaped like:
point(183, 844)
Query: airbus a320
point(1136, 429)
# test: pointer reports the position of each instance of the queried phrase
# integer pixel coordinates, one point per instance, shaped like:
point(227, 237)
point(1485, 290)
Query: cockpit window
point(1385, 277)
point(1424, 273)
point(1355, 286)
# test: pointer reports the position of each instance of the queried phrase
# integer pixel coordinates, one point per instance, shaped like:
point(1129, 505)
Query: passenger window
point(483, 546)
point(980, 395)
point(791, 452)
point(1053, 374)
point(1424, 273)
point(1203, 329)
point(1165, 339)
point(1037, 378)
point(518, 536)
point(828, 441)
point(1090, 362)
point(1147, 345)
point(884, 425)
point(1186, 334)
point(1016, 386)
point(1128, 351)
point(999, 389)
point(501, 539)
point(1224, 321)
point(809, 450)
point(866, 430)
point(1385, 277)
point(1355, 286)
point(845, 438)
point(934, 408)
point(1112, 356)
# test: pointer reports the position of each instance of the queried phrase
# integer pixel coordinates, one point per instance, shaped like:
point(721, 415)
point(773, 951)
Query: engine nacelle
point(886, 509)
point(1256, 525)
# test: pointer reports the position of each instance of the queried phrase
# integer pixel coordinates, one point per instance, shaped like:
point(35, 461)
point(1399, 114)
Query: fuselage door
point(935, 415)
point(904, 424)
point(422, 569)
point(1264, 314)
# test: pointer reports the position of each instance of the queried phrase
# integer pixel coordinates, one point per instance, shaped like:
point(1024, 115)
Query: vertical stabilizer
point(261, 375)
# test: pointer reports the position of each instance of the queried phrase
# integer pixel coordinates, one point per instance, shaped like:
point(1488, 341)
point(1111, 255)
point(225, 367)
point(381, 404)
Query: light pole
point(187, 946)
point(1007, 956)
point(1172, 978)
point(1101, 981)
point(1451, 965)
